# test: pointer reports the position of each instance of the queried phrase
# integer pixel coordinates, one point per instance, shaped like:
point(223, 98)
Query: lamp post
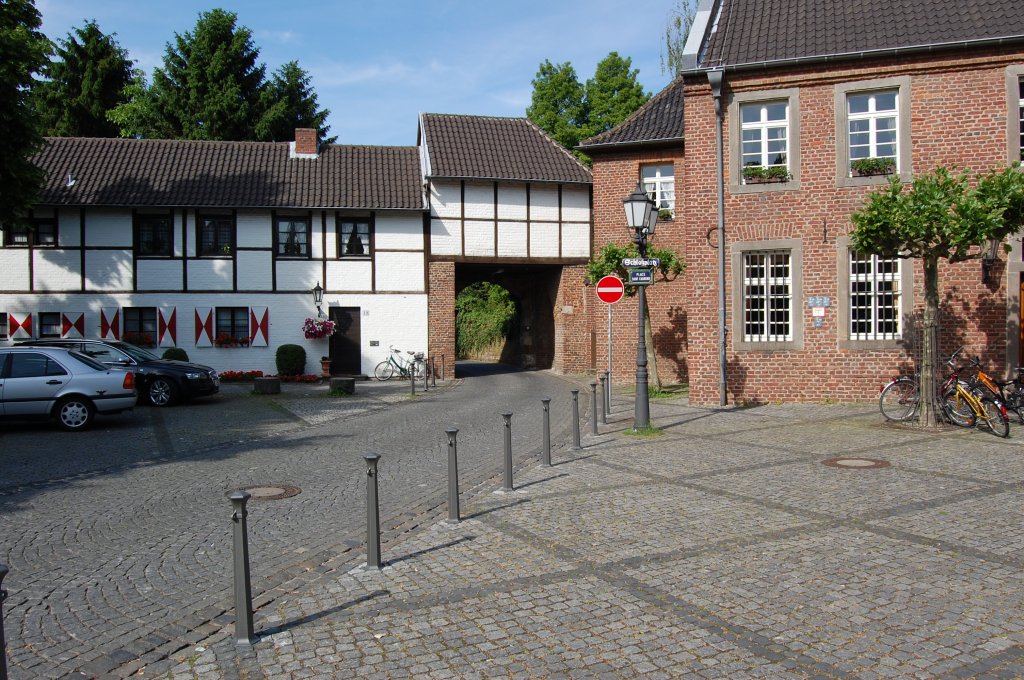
point(641, 217)
point(318, 299)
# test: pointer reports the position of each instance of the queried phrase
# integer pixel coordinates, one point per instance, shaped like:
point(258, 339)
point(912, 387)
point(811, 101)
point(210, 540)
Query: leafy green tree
point(609, 261)
point(558, 105)
point(135, 116)
point(85, 81)
point(612, 94)
point(484, 313)
point(211, 84)
point(940, 217)
point(677, 29)
point(289, 103)
point(23, 53)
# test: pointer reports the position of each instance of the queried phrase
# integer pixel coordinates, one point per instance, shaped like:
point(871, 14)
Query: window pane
point(885, 101)
point(750, 113)
point(858, 103)
point(776, 111)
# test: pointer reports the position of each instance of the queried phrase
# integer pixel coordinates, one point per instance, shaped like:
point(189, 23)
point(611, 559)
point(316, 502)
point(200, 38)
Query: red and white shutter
point(204, 326)
point(259, 327)
point(167, 327)
point(72, 325)
point(110, 323)
point(19, 326)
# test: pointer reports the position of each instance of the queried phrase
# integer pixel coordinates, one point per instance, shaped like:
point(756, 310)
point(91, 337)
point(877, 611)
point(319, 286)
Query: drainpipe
point(715, 77)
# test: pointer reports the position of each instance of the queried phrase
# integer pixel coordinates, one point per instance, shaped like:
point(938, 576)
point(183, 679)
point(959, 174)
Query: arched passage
point(550, 331)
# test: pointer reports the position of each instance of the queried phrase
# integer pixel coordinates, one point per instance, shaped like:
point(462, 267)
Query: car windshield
point(134, 352)
point(88, 361)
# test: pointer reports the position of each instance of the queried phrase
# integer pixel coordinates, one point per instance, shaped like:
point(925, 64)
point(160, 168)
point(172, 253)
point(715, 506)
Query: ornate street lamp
point(318, 299)
point(641, 217)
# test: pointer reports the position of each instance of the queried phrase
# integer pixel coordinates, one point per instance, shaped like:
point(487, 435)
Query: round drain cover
point(856, 463)
point(272, 492)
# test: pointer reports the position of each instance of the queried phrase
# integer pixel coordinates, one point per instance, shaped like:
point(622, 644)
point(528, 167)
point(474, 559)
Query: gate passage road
point(118, 539)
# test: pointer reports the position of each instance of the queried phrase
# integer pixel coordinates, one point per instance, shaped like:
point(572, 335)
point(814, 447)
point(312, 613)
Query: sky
point(377, 65)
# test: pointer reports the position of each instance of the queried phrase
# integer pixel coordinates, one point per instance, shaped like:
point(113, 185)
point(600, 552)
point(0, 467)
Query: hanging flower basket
point(315, 329)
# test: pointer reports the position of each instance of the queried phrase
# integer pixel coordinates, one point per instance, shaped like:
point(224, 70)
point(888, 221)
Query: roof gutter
point(863, 54)
point(514, 179)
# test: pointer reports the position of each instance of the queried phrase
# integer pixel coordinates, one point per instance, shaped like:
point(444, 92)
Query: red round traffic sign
point(610, 289)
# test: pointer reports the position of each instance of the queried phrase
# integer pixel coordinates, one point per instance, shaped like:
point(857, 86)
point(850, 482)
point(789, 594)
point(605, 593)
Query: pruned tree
point(85, 81)
point(609, 261)
point(23, 53)
point(940, 216)
point(290, 103)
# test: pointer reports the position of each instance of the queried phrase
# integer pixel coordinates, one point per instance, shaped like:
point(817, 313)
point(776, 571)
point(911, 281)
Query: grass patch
point(338, 393)
point(668, 391)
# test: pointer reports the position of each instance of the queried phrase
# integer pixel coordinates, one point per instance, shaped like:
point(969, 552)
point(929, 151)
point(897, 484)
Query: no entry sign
point(610, 289)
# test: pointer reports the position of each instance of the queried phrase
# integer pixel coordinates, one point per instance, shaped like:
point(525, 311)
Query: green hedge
point(291, 360)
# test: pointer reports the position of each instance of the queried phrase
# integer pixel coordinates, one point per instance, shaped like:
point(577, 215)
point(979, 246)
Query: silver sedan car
point(51, 382)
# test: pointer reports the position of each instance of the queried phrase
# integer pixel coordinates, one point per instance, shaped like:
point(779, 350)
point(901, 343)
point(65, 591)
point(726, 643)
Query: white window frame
point(737, 100)
point(762, 127)
point(904, 169)
point(793, 337)
point(879, 273)
point(905, 306)
point(4, 326)
point(774, 288)
point(1015, 111)
point(661, 187)
point(874, 118)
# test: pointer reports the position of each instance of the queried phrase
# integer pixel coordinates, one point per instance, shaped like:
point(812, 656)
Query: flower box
point(315, 329)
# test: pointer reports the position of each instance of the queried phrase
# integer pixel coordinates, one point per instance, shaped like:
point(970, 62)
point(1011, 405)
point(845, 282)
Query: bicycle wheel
point(995, 417)
point(384, 371)
point(956, 408)
point(899, 399)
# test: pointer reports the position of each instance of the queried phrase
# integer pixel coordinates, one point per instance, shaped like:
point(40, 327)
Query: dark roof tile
point(659, 120)
point(496, 148)
point(154, 172)
point(754, 31)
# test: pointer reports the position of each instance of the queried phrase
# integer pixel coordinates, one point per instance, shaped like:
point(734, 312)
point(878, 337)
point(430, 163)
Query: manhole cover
point(856, 463)
point(272, 492)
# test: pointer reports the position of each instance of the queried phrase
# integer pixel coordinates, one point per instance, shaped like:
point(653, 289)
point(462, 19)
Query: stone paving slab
point(710, 551)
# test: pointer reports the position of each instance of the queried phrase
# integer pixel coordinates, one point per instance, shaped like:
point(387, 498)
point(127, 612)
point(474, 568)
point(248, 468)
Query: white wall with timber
point(388, 285)
point(513, 220)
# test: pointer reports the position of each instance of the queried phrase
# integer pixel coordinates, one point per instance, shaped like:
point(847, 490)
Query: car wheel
point(74, 413)
point(161, 392)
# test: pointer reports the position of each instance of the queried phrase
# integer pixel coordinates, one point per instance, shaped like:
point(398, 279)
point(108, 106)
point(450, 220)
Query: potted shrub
point(868, 167)
point(759, 174)
point(325, 366)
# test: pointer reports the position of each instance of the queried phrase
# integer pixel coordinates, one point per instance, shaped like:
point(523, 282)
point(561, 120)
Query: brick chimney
point(305, 142)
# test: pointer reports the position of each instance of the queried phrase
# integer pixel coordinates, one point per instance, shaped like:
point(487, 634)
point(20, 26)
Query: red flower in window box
point(139, 339)
point(228, 340)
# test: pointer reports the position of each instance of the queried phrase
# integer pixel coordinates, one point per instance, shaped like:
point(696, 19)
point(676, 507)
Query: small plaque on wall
point(374, 343)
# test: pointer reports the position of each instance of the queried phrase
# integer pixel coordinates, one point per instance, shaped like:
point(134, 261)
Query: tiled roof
point(659, 120)
point(153, 172)
point(496, 148)
point(752, 31)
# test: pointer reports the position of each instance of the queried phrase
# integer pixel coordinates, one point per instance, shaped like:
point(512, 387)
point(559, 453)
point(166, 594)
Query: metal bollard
point(545, 452)
point(425, 388)
point(508, 452)
point(453, 476)
point(607, 393)
point(442, 368)
point(372, 512)
point(243, 585)
point(604, 400)
point(593, 408)
point(433, 373)
point(412, 378)
point(3, 643)
point(576, 419)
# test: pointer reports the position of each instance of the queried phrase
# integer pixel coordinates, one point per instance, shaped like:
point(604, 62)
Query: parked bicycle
point(1009, 392)
point(963, 402)
point(396, 364)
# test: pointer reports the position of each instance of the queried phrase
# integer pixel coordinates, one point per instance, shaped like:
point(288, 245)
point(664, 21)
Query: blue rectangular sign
point(641, 277)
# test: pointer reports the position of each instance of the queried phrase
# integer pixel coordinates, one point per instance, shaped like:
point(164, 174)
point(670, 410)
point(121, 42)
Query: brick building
point(809, 89)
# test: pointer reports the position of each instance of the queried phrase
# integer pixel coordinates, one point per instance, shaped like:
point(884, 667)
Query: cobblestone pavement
point(118, 539)
point(723, 548)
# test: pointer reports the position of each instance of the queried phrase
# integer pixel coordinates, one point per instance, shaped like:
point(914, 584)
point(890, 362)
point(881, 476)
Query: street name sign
point(641, 262)
point(610, 289)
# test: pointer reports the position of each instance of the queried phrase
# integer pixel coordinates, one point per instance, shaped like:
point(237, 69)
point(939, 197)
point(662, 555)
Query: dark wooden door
point(346, 353)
